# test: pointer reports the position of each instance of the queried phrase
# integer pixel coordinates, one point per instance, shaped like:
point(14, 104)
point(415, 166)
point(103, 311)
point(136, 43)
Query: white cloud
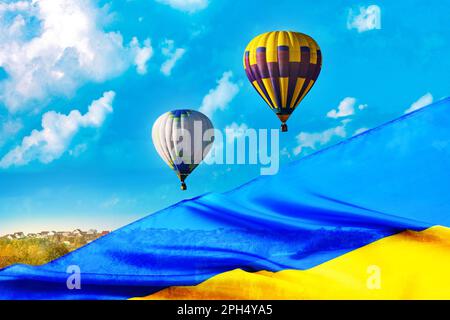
point(173, 55)
point(190, 6)
point(141, 54)
point(363, 106)
point(422, 102)
point(235, 131)
point(312, 140)
point(346, 108)
point(9, 128)
point(78, 149)
point(368, 19)
point(57, 132)
point(285, 152)
point(360, 130)
point(15, 6)
point(53, 47)
point(219, 97)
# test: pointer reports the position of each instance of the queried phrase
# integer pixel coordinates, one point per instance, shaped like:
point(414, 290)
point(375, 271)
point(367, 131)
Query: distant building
point(18, 235)
point(61, 235)
point(77, 233)
point(91, 232)
point(42, 234)
point(64, 233)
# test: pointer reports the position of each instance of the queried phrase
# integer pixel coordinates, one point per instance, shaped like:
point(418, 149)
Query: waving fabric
point(378, 184)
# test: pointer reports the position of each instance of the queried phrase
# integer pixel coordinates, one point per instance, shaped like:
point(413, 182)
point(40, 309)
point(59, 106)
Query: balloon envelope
point(282, 66)
point(183, 138)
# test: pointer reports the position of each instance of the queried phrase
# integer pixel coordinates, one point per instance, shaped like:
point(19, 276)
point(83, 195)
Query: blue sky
point(81, 84)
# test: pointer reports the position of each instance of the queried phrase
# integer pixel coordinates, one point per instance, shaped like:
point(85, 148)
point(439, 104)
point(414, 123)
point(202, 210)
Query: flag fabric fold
point(387, 180)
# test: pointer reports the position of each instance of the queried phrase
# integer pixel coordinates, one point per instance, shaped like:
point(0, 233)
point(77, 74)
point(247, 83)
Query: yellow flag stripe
point(408, 265)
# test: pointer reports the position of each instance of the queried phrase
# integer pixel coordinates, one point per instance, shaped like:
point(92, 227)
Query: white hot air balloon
point(183, 138)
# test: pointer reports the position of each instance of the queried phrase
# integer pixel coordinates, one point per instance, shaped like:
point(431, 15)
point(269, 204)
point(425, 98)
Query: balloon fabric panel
point(168, 134)
point(282, 67)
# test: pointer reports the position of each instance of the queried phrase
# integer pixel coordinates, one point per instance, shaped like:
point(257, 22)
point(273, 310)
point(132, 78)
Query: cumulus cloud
point(235, 131)
point(14, 6)
point(345, 108)
point(53, 47)
point(172, 54)
point(219, 97)
point(367, 19)
point(57, 132)
point(190, 6)
point(142, 54)
point(312, 140)
point(422, 102)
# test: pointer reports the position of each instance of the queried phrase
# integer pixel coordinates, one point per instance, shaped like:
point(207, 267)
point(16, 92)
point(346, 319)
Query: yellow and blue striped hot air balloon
point(282, 66)
point(181, 141)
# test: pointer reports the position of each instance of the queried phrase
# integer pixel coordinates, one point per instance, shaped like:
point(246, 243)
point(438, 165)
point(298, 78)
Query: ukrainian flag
point(364, 219)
